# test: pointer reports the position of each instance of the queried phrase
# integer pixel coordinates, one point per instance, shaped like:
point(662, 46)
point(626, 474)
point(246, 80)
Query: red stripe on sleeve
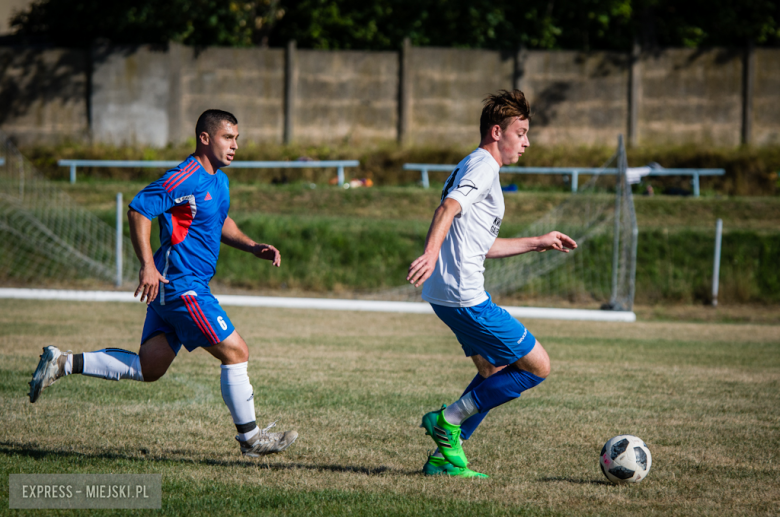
point(172, 187)
point(188, 169)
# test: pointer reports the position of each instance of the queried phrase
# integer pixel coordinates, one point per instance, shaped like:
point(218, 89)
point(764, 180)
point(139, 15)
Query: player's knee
point(543, 369)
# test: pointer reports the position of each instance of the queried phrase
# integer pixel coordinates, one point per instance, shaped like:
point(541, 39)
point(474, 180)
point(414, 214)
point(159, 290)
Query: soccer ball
point(625, 459)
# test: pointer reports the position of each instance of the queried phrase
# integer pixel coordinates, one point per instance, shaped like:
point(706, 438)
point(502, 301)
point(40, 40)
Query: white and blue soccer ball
point(625, 459)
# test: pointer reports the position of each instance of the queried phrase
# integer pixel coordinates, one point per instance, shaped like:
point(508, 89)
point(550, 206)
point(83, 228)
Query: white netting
point(45, 237)
point(599, 273)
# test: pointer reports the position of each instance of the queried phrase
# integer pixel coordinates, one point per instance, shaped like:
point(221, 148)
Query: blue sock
point(470, 425)
point(503, 386)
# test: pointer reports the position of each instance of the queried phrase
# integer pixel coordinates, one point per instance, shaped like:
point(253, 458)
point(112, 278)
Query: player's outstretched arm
point(148, 277)
point(422, 268)
point(235, 238)
point(551, 241)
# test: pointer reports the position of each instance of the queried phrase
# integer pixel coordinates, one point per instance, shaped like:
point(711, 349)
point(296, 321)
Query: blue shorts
point(192, 318)
point(488, 330)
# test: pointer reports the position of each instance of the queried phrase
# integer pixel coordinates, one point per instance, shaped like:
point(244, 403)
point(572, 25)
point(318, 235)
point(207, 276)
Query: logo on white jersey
point(466, 186)
point(496, 226)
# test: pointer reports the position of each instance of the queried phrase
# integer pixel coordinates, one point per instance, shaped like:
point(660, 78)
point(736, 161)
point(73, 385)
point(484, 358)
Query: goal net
point(598, 274)
point(45, 237)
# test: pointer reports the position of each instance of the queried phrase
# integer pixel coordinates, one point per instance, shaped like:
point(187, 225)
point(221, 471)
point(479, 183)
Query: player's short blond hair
point(501, 108)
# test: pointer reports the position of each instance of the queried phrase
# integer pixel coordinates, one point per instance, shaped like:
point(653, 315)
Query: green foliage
point(324, 253)
point(237, 23)
point(383, 24)
point(538, 24)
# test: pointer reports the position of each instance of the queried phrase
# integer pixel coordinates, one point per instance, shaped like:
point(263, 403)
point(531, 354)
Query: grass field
point(705, 397)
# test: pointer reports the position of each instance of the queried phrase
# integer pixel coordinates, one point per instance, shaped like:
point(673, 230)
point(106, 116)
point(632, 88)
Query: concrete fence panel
point(766, 97)
point(346, 96)
point(130, 96)
point(691, 96)
point(145, 95)
point(247, 82)
point(446, 92)
point(576, 97)
point(43, 94)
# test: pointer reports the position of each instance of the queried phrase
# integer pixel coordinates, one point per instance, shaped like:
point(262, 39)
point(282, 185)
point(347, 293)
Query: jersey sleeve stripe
point(190, 303)
point(178, 175)
point(174, 176)
point(180, 181)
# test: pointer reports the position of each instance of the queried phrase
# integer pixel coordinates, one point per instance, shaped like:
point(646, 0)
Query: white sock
point(239, 398)
point(69, 365)
point(460, 410)
point(110, 363)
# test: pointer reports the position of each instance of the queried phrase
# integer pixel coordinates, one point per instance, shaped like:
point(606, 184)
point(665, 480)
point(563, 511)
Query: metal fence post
point(425, 182)
point(73, 173)
point(119, 235)
point(716, 261)
point(574, 181)
point(341, 175)
point(695, 181)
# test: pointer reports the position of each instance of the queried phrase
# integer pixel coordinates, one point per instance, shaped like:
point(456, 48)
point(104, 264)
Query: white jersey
point(458, 279)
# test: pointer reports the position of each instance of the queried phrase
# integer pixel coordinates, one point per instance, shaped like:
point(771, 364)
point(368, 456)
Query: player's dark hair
point(501, 108)
point(210, 120)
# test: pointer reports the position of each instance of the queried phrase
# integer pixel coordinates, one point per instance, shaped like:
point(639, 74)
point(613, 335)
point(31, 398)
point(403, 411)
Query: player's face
point(223, 143)
point(513, 141)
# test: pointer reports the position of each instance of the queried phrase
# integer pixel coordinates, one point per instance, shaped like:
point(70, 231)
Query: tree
point(383, 24)
point(77, 23)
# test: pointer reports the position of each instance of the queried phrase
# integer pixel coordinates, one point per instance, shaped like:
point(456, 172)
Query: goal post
point(46, 237)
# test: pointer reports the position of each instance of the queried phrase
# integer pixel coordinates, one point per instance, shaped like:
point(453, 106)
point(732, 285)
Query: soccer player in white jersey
point(463, 233)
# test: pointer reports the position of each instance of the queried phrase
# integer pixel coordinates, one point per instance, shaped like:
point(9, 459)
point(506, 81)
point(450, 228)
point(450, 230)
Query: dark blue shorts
point(488, 330)
point(193, 319)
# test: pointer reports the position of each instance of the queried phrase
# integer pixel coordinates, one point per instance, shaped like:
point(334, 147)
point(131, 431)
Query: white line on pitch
point(318, 303)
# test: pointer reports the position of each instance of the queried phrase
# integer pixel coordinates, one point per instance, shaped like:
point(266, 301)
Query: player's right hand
point(421, 269)
point(149, 283)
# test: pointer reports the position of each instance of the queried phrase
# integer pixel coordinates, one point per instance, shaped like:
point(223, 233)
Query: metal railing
point(574, 172)
point(2, 162)
point(338, 164)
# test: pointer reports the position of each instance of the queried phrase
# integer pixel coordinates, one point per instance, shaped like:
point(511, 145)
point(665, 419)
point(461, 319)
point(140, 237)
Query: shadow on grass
point(577, 481)
point(31, 451)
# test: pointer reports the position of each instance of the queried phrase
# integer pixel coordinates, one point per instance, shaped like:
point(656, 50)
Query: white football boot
point(265, 442)
point(50, 368)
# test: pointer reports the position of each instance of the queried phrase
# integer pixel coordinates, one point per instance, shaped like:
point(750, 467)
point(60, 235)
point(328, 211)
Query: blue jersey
point(191, 206)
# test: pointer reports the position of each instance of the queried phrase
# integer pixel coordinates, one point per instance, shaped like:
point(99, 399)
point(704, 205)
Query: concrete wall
point(421, 96)
point(130, 96)
point(691, 95)
point(345, 96)
point(766, 97)
point(576, 97)
point(43, 94)
point(446, 91)
point(247, 82)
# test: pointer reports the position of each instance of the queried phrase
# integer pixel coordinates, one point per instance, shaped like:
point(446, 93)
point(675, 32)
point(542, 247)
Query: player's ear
point(204, 138)
point(495, 132)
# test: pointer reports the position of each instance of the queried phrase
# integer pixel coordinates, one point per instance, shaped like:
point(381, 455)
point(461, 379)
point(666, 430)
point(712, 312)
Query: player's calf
point(110, 363)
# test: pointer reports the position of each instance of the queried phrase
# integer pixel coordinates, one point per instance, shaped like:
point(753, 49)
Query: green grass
point(704, 397)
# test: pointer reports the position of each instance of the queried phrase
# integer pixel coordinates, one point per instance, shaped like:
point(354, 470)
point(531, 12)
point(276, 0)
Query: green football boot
point(436, 466)
point(446, 436)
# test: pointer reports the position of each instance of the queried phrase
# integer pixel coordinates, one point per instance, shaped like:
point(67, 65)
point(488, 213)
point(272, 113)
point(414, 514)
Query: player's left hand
point(268, 252)
point(555, 241)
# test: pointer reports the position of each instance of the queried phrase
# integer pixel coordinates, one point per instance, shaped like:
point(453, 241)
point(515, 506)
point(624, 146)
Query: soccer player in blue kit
point(191, 203)
point(464, 232)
